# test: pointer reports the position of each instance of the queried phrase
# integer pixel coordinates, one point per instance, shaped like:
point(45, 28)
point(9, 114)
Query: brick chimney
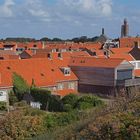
point(136, 44)
point(60, 55)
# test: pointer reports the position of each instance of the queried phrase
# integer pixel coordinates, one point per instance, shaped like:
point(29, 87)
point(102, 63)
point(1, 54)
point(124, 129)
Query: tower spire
point(103, 31)
point(125, 29)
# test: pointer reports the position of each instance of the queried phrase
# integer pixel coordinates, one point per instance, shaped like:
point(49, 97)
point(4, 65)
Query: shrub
point(84, 105)
point(3, 106)
point(50, 121)
point(15, 125)
point(12, 98)
point(55, 120)
point(55, 104)
point(70, 99)
point(41, 95)
point(69, 102)
point(87, 101)
point(20, 86)
point(67, 107)
point(67, 118)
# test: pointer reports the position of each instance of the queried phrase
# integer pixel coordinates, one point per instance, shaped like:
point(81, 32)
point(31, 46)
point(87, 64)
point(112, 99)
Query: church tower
point(125, 29)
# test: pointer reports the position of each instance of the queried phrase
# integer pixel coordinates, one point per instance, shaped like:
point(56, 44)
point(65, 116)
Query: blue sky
point(67, 18)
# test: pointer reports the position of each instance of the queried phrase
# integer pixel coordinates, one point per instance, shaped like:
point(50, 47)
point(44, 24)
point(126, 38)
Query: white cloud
point(6, 8)
point(105, 7)
point(36, 8)
point(89, 7)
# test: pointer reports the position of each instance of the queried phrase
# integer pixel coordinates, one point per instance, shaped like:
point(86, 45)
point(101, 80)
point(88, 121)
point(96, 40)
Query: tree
point(88, 101)
point(12, 98)
point(55, 104)
point(20, 86)
point(69, 102)
point(41, 95)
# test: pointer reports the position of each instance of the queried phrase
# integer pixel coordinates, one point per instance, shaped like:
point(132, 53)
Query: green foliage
point(55, 104)
point(67, 107)
point(70, 99)
point(69, 102)
point(12, 98)
point(41, 95)
point(50, 121)
point(87, 101)
point(34, 112)
point(3, 106)
point(20, 86)
point(55, 120)
point(67, 118)
point(16, 126)
point(84, 105)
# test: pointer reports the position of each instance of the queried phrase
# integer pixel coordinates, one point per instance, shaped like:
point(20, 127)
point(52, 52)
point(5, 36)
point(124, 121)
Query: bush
point(55, 104)
point(67, 107)
point(12, 98)
point(67, 118)
point(3, 106)
point(20, 86)
point(41, 95)
point(60, 119)
point(15, 125)
point(70, 99)
point(87, 101)
point(84, 105)
point(69, 102)
point(50, 121)
point(34, 112)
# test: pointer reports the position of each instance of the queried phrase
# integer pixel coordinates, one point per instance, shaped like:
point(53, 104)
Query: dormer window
point(94, 54)
point(34, 45)
point(8, 68)
point(66, 71)
point(49, 56)
point(60, 55)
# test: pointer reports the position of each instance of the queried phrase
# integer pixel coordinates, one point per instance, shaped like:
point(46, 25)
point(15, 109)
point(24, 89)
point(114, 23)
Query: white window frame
point(71, 85)
point(60, 86)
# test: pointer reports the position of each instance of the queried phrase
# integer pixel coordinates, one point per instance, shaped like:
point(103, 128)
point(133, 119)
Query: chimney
point(107, 53)
point(43, 44)
point(136, 44)
point(49, 55)
point(60, 55)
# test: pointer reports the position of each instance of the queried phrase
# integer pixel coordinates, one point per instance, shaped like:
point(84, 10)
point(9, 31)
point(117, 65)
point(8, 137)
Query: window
point(60, 86)
point(138, 65)
point(49, 55)
point(26, 47)
point(34, 45)
point(66, 71)
point(1, 93)
point(124, 74)
point(134, 64)
point(59, 55)
point(94, 54)
point(71, 85)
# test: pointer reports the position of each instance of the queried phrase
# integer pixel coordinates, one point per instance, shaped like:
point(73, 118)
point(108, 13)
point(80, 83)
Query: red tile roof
point(66, 92)
point(120, 50)
point(43, 71)
point(54, 55)
point(128, 41)
point(95, 62)
point(127, 57)
point(137, 73)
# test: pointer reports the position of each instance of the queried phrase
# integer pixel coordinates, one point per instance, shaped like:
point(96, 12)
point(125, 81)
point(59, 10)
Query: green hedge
point(3, 106)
